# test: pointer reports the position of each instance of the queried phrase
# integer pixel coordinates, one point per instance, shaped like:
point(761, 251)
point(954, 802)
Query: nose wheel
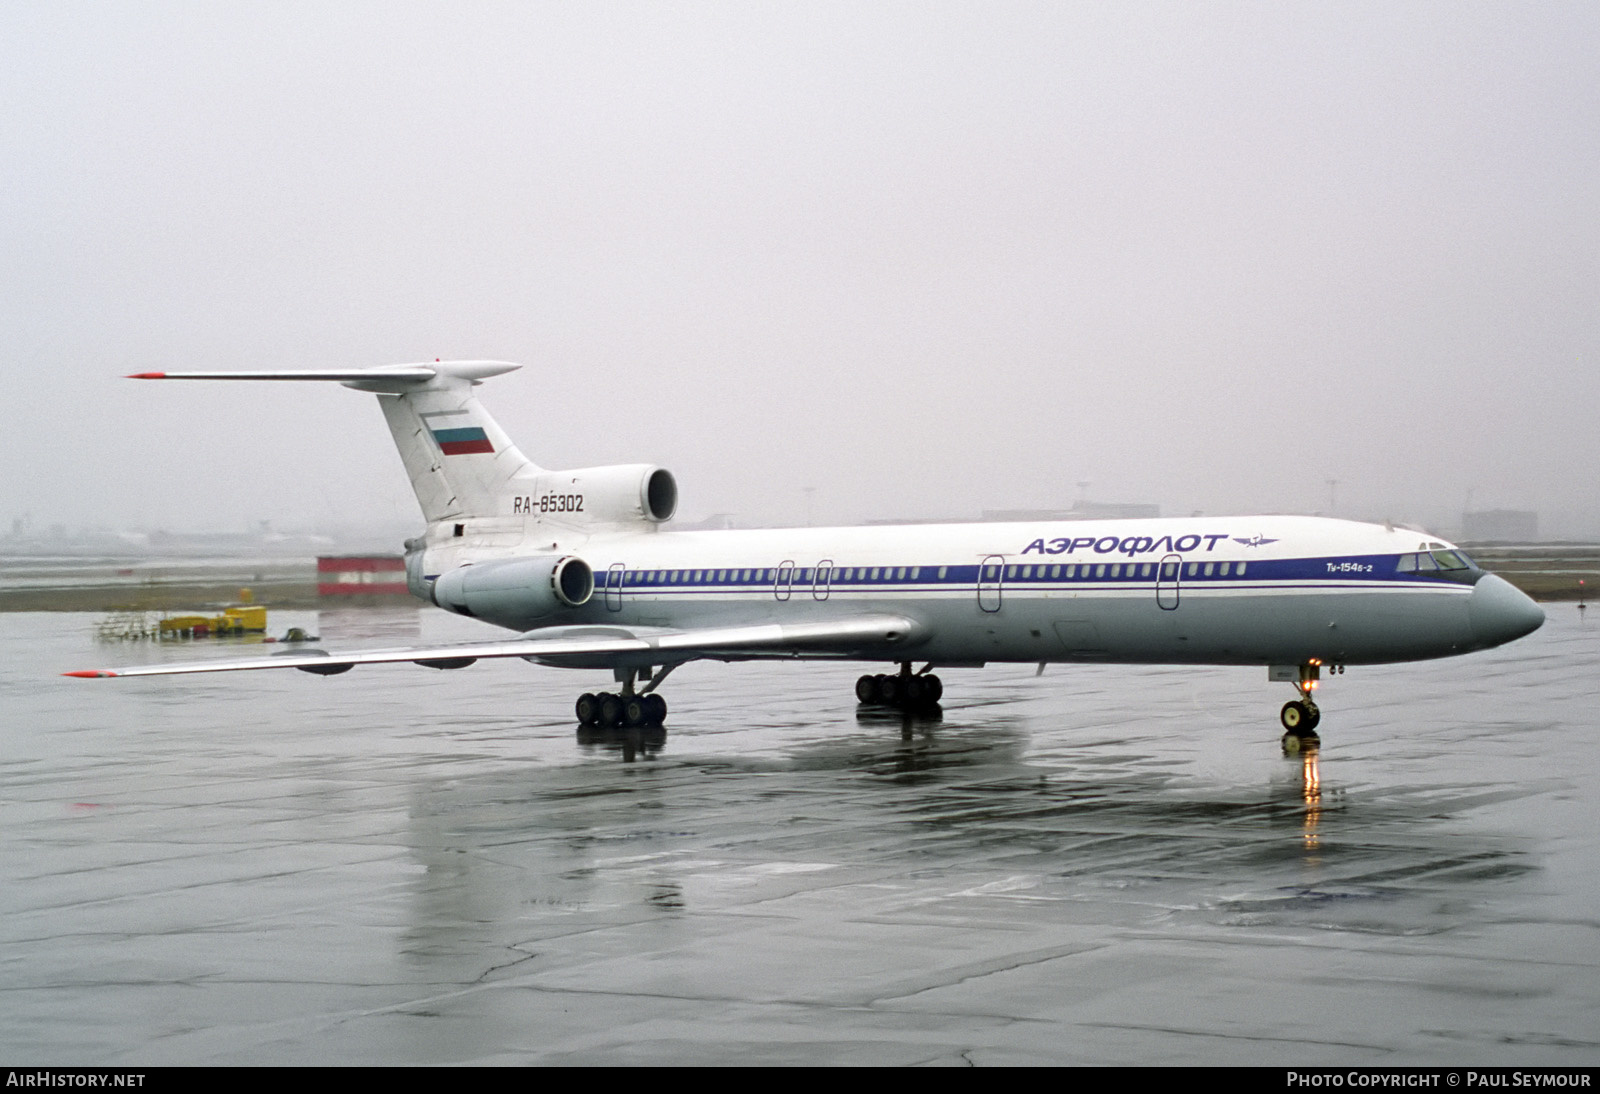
point(1301, 716)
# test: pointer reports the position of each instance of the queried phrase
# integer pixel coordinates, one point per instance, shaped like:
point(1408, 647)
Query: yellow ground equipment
point(248, 619)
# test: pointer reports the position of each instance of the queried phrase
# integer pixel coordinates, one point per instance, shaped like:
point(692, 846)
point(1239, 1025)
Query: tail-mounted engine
point(623, 495)
point(516, 592)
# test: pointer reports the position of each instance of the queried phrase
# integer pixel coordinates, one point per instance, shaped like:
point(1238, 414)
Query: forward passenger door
point(991, 577)
point(1167, 581)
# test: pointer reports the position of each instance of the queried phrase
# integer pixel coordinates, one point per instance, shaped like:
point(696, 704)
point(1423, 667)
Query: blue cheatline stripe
point(1325, 572)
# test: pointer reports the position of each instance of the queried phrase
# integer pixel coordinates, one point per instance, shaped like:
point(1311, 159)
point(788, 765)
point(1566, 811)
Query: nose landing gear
point(1301, 716)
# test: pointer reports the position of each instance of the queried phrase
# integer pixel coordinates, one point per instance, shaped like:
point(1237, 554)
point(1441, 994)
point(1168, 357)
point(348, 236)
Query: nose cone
point(1500, 611)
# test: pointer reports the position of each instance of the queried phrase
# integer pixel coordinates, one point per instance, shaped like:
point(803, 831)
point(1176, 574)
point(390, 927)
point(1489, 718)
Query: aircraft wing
point(593, 647)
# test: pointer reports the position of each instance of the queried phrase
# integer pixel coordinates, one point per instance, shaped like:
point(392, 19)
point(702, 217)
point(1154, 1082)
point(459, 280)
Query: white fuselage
point(1225, 590)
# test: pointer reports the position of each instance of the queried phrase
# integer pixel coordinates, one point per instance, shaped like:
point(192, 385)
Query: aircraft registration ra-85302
point(584, 566)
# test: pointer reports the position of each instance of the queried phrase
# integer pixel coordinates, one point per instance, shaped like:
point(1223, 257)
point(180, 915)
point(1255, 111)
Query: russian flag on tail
point(462, 442)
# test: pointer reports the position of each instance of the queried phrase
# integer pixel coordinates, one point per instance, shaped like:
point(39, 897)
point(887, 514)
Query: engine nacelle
point(623, 494)
point(516, 592)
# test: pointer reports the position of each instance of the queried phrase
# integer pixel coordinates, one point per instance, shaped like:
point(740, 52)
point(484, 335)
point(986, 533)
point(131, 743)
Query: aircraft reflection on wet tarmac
point(1106, 865)
point(642, 742)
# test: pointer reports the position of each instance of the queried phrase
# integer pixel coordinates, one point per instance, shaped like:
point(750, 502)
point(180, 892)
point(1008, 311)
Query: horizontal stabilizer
point(390, 378)
point(432, 414)
point(590, 646)
point(338, 375)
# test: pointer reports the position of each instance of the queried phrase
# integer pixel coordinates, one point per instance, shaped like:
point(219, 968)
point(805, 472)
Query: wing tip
point(145, 376)
point(91, 674)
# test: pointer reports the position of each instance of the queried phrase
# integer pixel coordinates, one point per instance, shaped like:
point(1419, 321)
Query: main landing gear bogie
point(609, 711)
point(904, 690)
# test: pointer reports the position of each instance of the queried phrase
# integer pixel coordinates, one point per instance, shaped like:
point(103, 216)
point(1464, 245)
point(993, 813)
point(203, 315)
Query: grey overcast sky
point(927, 258)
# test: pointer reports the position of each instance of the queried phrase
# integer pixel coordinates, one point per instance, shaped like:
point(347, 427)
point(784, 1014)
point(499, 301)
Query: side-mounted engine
point(520, 593)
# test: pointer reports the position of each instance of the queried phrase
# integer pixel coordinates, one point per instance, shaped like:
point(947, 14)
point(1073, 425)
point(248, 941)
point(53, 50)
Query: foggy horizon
point(926, 260)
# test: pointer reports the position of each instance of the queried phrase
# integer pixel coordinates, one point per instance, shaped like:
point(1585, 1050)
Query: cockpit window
point(1441, 562)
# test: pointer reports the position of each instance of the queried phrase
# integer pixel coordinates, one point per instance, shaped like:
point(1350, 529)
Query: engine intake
point(516, 592)
point(621, 495)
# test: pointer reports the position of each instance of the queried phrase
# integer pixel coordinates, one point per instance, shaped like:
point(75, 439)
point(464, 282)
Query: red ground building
point(361, 575)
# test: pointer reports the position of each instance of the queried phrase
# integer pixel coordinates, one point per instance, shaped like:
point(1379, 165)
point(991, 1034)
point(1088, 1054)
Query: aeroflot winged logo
point(1140, 545)
point(462, 442)
point(1128, 545)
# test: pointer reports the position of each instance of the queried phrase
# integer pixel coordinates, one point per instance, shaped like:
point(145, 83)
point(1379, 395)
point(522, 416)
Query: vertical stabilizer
point(459, 460)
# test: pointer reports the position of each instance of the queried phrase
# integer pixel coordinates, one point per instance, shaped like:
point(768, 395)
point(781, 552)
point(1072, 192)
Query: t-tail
point(479, 494)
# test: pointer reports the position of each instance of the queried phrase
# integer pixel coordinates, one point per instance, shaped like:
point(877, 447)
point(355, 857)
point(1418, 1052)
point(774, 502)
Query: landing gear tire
point(1299, 717)
point(658, 709)
point(608, 711)
point(643, 710)
point(588, 709)
point(900, 691)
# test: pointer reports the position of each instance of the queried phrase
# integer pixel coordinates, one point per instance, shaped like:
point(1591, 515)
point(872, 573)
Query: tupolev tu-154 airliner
point(584, 566)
